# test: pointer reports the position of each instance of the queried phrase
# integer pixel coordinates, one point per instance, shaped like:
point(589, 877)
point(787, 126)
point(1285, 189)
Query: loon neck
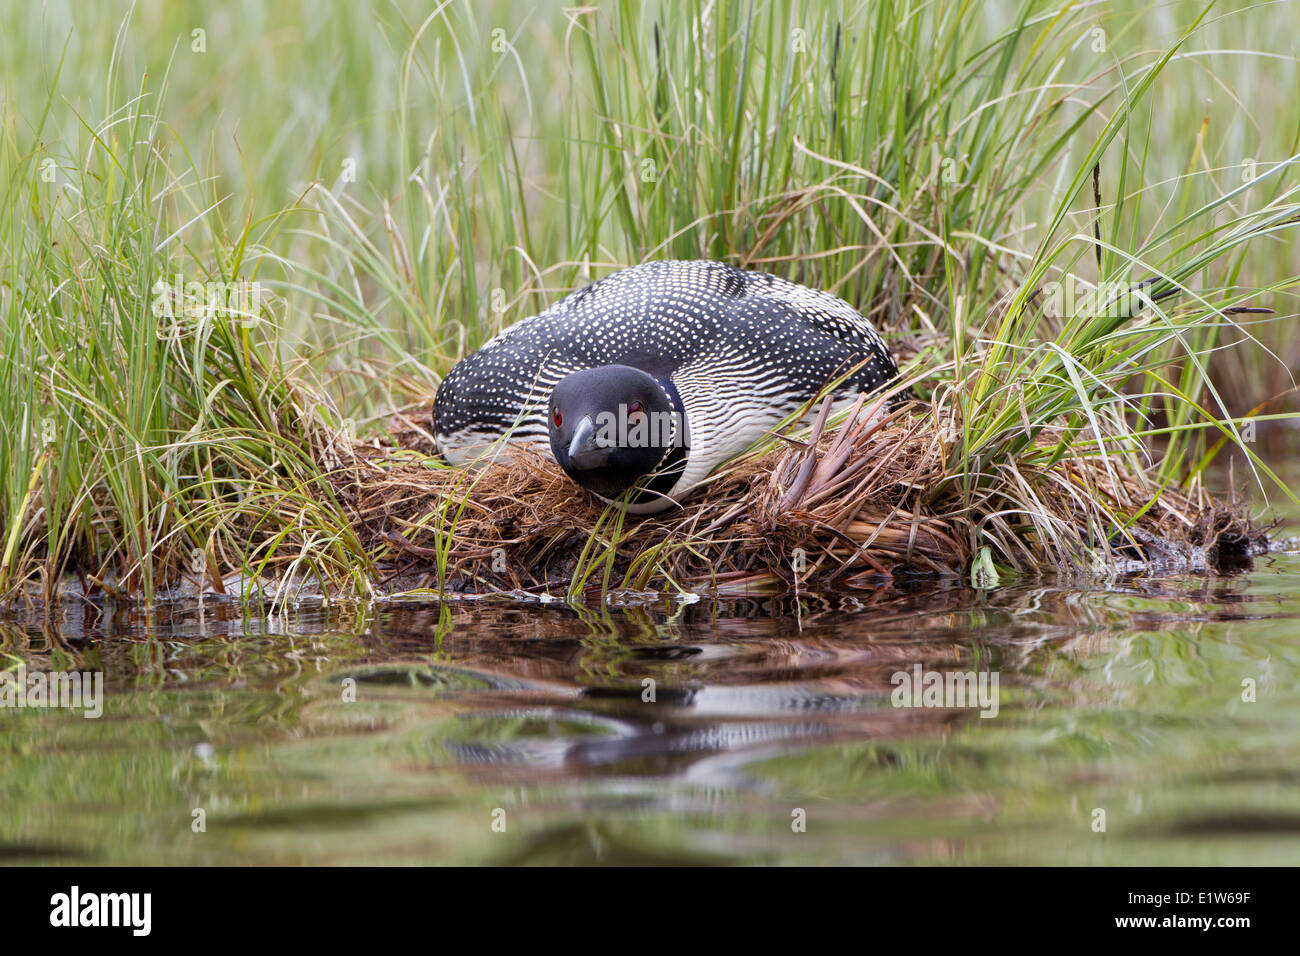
point(671, 466)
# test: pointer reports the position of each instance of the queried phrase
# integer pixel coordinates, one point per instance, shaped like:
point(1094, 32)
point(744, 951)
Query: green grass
point(403, 184)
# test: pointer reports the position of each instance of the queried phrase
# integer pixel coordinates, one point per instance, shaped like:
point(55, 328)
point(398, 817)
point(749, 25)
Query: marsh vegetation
point(241, 246)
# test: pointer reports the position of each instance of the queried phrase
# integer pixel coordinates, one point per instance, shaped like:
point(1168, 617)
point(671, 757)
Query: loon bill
point(645, 381)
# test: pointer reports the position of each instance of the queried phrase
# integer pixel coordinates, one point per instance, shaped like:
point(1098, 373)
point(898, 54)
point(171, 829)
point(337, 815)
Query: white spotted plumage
point(744, 350)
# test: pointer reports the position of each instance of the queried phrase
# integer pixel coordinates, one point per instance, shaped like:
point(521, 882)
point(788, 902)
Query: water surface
point(493, 732)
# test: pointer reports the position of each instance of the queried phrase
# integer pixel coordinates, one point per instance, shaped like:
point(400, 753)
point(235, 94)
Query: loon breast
point(744, 350)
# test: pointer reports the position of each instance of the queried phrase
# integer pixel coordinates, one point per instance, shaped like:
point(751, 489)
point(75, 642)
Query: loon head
point(612, 426)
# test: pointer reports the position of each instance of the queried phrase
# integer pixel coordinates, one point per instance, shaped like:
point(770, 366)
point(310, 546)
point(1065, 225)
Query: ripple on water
point(657, 731)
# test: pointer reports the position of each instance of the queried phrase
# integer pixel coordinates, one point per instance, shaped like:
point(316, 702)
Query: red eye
point(559, 419)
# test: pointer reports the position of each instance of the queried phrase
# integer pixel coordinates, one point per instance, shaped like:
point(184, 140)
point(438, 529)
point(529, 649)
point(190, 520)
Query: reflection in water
point(672, 732)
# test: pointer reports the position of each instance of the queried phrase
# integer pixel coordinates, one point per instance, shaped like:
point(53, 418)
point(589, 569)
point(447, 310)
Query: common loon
point(648, 379)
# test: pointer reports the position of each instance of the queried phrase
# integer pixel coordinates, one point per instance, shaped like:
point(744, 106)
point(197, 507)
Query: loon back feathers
point(741, 350)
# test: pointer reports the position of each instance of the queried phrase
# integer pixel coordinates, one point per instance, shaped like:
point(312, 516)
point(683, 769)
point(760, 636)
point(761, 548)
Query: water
point(504, 733)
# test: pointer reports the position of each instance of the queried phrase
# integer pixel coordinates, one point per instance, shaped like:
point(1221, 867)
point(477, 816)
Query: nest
point(857, 506)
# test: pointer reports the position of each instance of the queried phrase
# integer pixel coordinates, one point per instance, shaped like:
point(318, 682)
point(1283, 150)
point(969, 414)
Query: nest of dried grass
point(853, 506)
